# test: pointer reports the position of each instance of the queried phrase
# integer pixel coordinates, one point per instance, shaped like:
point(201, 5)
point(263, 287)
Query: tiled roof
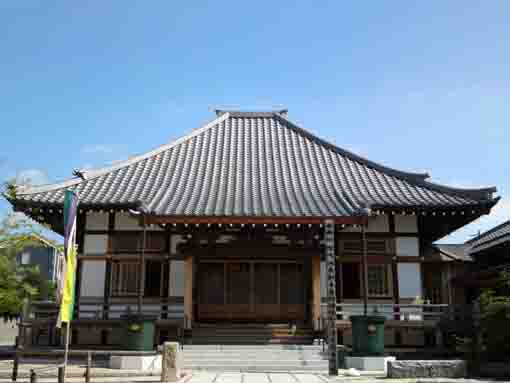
point(459, 252)
point(492, 237)
point(255, 164)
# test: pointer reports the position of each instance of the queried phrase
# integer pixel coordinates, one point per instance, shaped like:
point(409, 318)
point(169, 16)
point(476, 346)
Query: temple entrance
point(252, 291)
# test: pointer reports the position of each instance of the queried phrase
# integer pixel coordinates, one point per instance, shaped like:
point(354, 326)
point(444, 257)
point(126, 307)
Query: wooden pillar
point(188, 290)
point(108, 266)
point(316, 291)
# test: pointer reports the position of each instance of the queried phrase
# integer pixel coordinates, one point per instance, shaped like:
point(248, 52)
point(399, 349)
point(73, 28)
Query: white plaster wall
point(378, 224)
point(409, 280)
point(96, 221)
point(95, 244)
point(407, 246)
point(176, 278)
point(406, 224)
point(124, 221)
point(92, 278)
point(175, 240)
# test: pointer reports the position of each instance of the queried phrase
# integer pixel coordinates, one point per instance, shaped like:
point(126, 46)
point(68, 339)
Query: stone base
point(427, 369)
point(369, 363)
point(136, 362)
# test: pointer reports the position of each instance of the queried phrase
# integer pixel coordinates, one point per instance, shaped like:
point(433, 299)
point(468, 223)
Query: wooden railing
point(406, 312)
point(97, 310)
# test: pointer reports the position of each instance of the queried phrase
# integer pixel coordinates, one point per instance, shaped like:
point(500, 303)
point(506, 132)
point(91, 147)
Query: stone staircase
point(259, 358)
point(251, 334)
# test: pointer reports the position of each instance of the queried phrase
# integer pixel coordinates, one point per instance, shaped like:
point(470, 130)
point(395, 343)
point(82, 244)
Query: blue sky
point(420, 86)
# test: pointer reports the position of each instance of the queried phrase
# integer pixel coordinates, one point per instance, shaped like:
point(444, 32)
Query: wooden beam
point(158, 219)
point(188, 290)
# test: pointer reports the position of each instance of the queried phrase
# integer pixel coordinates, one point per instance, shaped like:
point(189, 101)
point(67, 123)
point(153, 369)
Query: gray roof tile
point(255, 164)
point(495, 236)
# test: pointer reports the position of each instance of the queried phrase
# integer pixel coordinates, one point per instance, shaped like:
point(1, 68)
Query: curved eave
point(485, 204)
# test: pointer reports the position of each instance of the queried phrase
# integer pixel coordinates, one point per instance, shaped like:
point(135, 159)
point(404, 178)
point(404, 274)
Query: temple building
point(225, 226)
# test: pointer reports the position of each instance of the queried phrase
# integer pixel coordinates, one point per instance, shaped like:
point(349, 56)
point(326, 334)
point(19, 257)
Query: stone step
point(251, 340)
point(255, 358)
point(261, 329)
point(241, 325)
point(245, 341)
point(276, 347)
point(196, 358)
point(302, 355)
point(258, 367)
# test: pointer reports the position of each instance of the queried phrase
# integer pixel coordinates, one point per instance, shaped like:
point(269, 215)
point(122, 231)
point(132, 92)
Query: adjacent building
point(45, 255)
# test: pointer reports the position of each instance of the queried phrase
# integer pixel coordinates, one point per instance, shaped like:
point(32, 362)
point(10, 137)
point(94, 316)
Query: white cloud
point(32, 177)
point(98, 149)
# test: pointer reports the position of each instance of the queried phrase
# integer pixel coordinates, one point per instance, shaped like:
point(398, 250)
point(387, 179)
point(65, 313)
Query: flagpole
point(66, 351)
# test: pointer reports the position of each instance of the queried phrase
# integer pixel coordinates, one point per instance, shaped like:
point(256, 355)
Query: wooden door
point(292, 297)
point(251, 291)
point(211, 297)
point(266, 291)
point(239, 291)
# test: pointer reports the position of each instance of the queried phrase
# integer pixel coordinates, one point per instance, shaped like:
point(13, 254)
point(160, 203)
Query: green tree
point(495, 308)
point(18, 283)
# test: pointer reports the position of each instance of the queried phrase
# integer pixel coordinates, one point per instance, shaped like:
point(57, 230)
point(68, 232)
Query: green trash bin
point(367, 335)
point(139, 334)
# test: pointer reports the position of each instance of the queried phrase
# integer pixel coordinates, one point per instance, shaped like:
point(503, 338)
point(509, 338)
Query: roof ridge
point(94, 173)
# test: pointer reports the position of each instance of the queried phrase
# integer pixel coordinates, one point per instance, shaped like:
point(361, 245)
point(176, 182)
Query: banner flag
point(66, 284)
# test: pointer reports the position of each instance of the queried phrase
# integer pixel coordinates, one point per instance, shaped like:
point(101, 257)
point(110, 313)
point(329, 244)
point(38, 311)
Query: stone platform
point(427, 369)
point(369, 363)
point(136, 362)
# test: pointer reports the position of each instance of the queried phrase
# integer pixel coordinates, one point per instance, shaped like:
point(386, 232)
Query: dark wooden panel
point(238, 283)
point(266, 283)
point(351, 280)
point(212, 283)
point(252, 291)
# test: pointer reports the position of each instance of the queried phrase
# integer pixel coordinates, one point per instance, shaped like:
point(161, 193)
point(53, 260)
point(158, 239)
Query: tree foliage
point(18, 283)
point(495, 309)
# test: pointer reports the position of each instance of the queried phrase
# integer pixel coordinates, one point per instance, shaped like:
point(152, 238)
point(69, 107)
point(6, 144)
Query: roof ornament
point(140, 209)
point(80, 173)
